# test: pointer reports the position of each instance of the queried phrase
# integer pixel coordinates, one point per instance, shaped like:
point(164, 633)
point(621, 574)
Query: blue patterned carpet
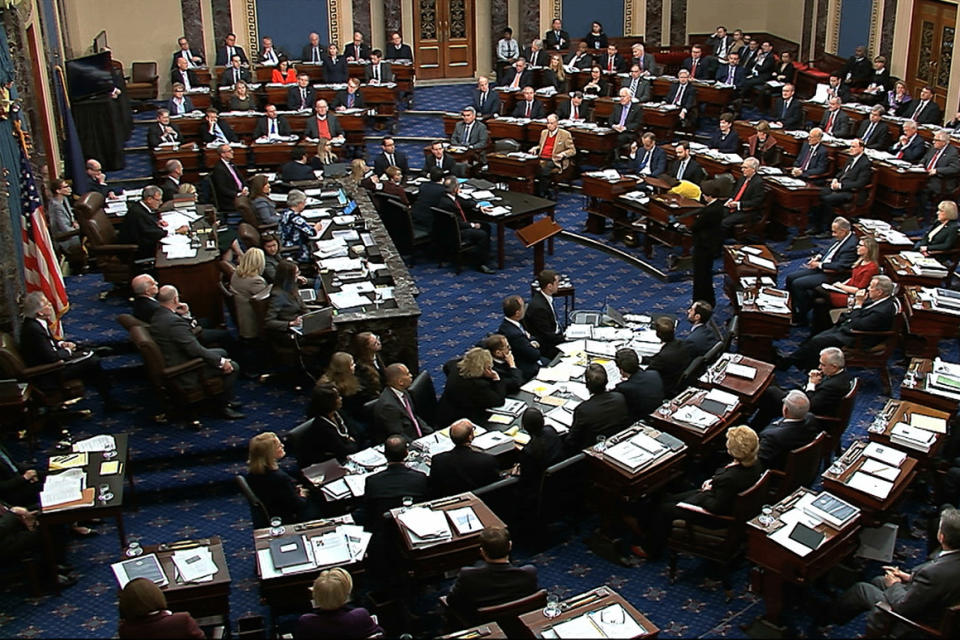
point(185, 480)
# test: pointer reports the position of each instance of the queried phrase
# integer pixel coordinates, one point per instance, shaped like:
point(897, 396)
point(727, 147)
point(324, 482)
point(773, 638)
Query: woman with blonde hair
point(144, 614)
point(472, 388)
point(332, 617)
point(242, 99)
point(554, 75)
point(248, 283)
point(341, 372)
point(324, 155)
point(278, 492)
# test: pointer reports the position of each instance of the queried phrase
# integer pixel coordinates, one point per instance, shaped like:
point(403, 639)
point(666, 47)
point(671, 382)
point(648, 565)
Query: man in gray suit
point(178, 344)
point(469, 133)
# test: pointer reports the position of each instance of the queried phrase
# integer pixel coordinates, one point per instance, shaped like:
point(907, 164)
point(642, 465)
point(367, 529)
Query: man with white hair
point(170, 185)
point(910, 145)
point(942, 164)
point(462, 468)
point(826, 386)
point(796, 428)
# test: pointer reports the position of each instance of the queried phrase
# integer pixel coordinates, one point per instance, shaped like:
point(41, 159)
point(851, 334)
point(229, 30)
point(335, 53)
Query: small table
point(884, 244)
point(873, 507)
point(518, 173)
point(749, 390)
point(792, 204)
point(748, 261)
point(697, 439)
point(760, 327)
point(619, 482)
point(523, 208)
point(895, 411)
point(928, 324)
point(904, 273)
point(922, 393)
point(576, 606)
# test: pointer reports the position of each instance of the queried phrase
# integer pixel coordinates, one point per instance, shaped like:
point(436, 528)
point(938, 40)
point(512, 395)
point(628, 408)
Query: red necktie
point(806, 159)
point(528, 110)
point(693, 69)
point(457, 205)
point(576, 112)
point(933, 160)
point(743, 188)
point(610, 64)
point(833, 115)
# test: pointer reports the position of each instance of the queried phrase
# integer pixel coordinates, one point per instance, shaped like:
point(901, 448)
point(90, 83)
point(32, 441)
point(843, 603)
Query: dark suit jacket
point(351, 50)
point(643, 92)
point(178, 54)
point(871, 317)
point(706, 68)
point(341, 100)
point(511, 377)
point(914, 150)
point(478, 135)
point(223, 60)
point(461, 469)
point(144, 307)
point(768, 153)
point(169, 188)
point(819, 161)
point(728, 144)
point(335, 72)
point(643, 392)
point(306, 54)
point(283, 127)
point(142, 228)
point(278, 493)
point(753, 196)
point(391, 417)
point(585, 61)
point(161, 624)
point(943, 240)
point(446, 164)
point(332, 122)
point(487, 107)
point(762, 70)
point(670, 363)
point(292, 171)
point(727, 483)
point(844, 257)
point(488, 584)
point(605, 413)
point(386, 489)
point(227, 77)
point(294, 101)
point(467, 397)
point(187, 106)
point(687, 101)
point(565, 110)
point(649, 63)
point(541, 60)
point(176, 76)
point(536, 109)
point(386, 73)
point(722, 74)
point(856, 177)
point(879, 137)
point(634, 117)
point(700, 340)
point(948, 167)
point(37, 346)
point(538, 454)
point(380, 162)
point(206, 137)
point(619, 64)
point(178, 344)
point(17, 490)
point(708, 228)
point(542, 325)
point(154, 134)
point(551, 41)
point(391, 52)
point(782, 437)
point(225, 185)
point(930, 114)
point(792, 117)
point(525, 354)
point(935, 585)
point(657, 162)
point(841, 124)
point(525, 79)
point(788, 71)
point(430, 195)
point(826, 396)
point(859, 70)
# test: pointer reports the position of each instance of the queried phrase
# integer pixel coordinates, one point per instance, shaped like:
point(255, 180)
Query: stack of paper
point(330, 549)
point(560, 419)
point(370, 458)
point(194, 565)
point(912, 437)
point(869, 484)
point(492, 440)
point(102, 442)
point(886, 455)
point(425, 526)
point(147, 566)
point(63, 487)
point(928, 423)
point(880, 470)
point(464, 520)
point(696, 417)
point(628, 455)
point(511, 406)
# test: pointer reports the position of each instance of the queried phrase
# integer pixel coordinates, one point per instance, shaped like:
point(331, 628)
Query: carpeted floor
point(185, 483)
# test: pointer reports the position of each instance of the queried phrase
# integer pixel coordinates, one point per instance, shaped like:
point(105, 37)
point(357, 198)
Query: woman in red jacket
point(828, 303)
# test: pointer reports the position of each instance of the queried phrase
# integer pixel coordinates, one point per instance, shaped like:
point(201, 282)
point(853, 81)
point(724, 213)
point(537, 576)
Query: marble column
point(392, 19)
point(804, 53)
point(361, 20)
point(529, 24)
point(193, 25)
point(678, 22)
point(887, 28)
point(223, 23)
point(821, 33)
point(653, 36)
point(498, 20)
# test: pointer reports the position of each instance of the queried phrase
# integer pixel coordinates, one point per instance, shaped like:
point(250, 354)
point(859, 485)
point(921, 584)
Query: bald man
point(394, 412)
point(462, 468)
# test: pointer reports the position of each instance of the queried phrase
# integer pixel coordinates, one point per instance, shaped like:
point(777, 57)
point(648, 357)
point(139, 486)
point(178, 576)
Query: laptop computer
point(319, 320)
point(615, 316)
point(336, 170)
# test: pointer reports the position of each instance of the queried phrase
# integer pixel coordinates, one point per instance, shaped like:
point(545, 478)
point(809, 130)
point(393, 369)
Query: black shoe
point(113, 406)
point(230, 414)
point(65, 581)
point(485, 269)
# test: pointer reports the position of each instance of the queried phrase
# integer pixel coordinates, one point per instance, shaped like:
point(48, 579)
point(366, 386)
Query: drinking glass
point(105, 494)
point(276, 527)
point(766, 516)
point(601, 443)
point(134, 549)
point(407, 502)
point(552, 610)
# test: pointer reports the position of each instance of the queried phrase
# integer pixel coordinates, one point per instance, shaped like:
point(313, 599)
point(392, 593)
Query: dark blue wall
point(854, 26)
point(578, 14)
point(289, 22)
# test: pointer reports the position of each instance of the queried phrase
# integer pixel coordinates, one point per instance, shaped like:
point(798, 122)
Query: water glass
point(910, 378)
point(276, 527)
point(407, 502)
point(105, 494)
point(766, 516)
point(601, 443)
point(552, 610)
point(134, 549)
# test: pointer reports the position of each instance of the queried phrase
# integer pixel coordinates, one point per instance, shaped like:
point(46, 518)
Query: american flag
point(40, 266)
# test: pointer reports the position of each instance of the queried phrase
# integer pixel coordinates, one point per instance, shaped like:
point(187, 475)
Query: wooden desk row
point(403, 74)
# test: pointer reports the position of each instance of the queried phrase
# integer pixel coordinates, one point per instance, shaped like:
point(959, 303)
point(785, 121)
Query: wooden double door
point(932, 35)
point(444, 37)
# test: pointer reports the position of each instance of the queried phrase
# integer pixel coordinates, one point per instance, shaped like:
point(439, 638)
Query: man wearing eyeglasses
point(142, 227)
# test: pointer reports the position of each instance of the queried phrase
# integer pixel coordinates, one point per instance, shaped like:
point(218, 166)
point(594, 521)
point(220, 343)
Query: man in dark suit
point(626, 118)
point(649, 159)
point(825, 388)
point(672, 359)
point(145, 290)
point(323, 124)
point(730, 73)
point(926, 110)
point(534, 54)
point(603, 413)
point(581, 58)
point(485, 100)
point(234, 73)
point(708, 235)
point(271, 125)
point(574, 109)
point(302, 95)
point(349, 98)
point(296, 169)
point(611, 61)
point(795, 429)
point(438, 159)
point(229, 180)
point(813, 159)
point(494, 580)
point(378, 71)
point(519, 76)
point(642, 389)
point(193, 58)
point(638, 85)
point(178, 344)
point(431, 193)
point(759, 69)
point(922, 595)
point(644, 60)
point(873, 131)
point(164, 131)
point(856, 71)
point(386, 489)
point(356, 50)
point(747, 197)
point(541, 316)
point(18, 483)
point(270, 55)
point(215, 130)
point(462, 468)
point(874, 312)
point(335, 66)
point(942, 163)
point(312, 52)
point(503, 362)
point(228, 50)
point(683, 95)
point(390, 157)
point(720, 42)
point(910, 146)
point(787, 110)
point(556, 38)
point(468, 132)
point(702, 336)
point(394, 412)
point(526, 350)
point(701, 67)
point(475, 236)
point(832, 265)
point(183, 74)
point(141, 225)
point(170, 184)
point(684, 167)
point(397, 50)
point(835, 121)
point(837, 89)
point(528, 106)
point(848, 184)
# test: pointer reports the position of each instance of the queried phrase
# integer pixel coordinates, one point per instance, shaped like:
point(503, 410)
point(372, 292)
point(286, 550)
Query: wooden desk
point(486, 631)
point(874, 508)
point(199, 599)
point(498, 129)
point(713, 97)
point(749, 391)
point(761, 328)
point(188, 154)
point(736, 262)
point(380, 97)
point(518, 173)
point(200, 98)
point(508, 100)
point(621, 483)
point(450, 121)
point(600, 204)
point(578, 605)
point(921, 393)
point(203, 75)
point(460, 551)
point(894, 412)
point(659, 211)
point(664, 418)
point(189, 126)
point(904, 273)
point(928, 325)
point(197, 279)
point(212, 155)
point(897, 188)
point(777, 565)
point(885, 246)
point(662, 122)
point(244, 123)
point(792, 204)
point(524, 208)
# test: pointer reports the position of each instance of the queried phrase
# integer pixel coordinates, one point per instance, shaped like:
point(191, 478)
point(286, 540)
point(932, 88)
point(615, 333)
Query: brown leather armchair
point(58, 386)
point(836, 425)
point(715, 537)
point(115, 260)
point(949, 624)
point(143, 81)
point(245, 207)
point(87, 205)
point(506, 615)
point(802, 467)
